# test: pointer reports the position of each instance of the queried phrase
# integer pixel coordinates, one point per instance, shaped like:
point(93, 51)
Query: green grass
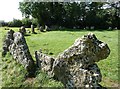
point(53, 43)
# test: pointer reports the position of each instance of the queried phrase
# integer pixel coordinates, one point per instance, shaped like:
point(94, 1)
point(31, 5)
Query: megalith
point(76, 66)
point(32, 28)
point(8, 40)
point(22, 30)
point(16, 44)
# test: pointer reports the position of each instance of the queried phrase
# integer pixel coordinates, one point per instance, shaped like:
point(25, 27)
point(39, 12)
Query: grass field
point(53, 43)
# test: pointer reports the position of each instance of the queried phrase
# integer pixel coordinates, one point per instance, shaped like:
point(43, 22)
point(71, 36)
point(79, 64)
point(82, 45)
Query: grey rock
point(75, 67)
point(41, 28)
point(22, 30)
point(44, 62)
point(16, 44)
point(32, 28)
point(7, 42)
point(86, 50)
point(20, 52)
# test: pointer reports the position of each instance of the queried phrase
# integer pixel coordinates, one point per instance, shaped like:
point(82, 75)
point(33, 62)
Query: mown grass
point(53, 43)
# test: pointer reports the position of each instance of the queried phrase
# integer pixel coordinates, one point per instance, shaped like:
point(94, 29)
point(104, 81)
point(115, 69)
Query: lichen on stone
point(76, 67)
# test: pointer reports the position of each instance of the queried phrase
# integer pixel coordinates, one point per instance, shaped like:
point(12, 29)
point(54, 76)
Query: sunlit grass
point(53, 43)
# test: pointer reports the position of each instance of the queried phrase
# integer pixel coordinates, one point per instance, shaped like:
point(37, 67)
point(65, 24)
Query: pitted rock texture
point(76, 67)
point(86, 50)
point(18, 48)
point(44, 62)
point(7, 42)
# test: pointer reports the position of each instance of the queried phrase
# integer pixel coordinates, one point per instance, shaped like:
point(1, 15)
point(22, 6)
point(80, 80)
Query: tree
point(72, 14)
point(36, 10)
point(15, 23)
point(26, 22)
point(116, 14)
point(3, 23)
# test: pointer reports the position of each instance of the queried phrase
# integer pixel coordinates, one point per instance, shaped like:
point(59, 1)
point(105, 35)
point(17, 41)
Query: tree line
point(98, 15)
point(74, 15)
point(18, 23)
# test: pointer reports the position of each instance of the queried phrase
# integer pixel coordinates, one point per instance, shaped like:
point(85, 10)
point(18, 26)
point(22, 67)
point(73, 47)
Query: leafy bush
point(26, 22)
point(34, 22)
point(15, 23)
point(3, 23)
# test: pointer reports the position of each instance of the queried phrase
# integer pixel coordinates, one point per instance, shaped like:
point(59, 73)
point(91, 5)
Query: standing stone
point(32, 28)
point(79, 60)
point(44, 62)
point(7, 42)
point(76, 67)
point(41, 28)
point(45, 28)
point(19, 50)
point(22, 30)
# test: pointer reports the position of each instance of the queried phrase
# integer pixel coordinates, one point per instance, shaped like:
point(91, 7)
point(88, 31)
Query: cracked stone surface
point(76, 67)
point(8, 40)
point(16, 44)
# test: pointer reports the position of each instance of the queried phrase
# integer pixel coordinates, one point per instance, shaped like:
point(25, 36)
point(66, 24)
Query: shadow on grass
point(34, 33)
point(27, 35)
point(77, 30)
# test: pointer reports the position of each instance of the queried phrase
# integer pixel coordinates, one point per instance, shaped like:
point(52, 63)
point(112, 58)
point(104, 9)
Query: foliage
point(3, 23)
point(15, 23)
point(18, 23)
point(34, 21)
point(73, 15)
point(26, 22)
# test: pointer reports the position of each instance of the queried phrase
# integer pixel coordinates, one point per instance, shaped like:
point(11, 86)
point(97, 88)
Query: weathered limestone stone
point(47, 28)
point(7, 42)
point(41, 28)
point(44, 62)
point(22, 30)
point(44, 28)
point(87, 50)
point(76, 67)
point(20, 52)
point(15, 43)
point(32, 28)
